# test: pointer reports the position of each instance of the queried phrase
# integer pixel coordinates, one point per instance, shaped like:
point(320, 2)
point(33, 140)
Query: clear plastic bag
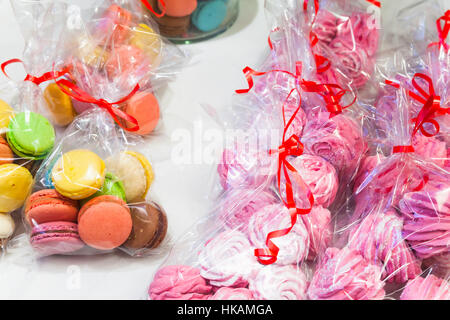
point(91, 194)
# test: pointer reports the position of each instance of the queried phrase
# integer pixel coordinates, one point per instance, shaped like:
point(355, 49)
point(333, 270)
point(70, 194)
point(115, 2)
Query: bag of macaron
point(92, 194)
point(117, 61)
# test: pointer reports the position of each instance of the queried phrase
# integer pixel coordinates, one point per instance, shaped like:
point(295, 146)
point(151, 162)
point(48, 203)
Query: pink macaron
point(176, 8)
point(144, 108)
point(57, 237)
point(48, 205)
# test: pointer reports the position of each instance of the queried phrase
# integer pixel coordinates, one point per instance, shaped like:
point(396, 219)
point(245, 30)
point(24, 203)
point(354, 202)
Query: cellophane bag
point(116, 55)
point(91, 194)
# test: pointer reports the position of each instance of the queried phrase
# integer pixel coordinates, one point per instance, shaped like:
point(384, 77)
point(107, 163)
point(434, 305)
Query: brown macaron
point(149, 226)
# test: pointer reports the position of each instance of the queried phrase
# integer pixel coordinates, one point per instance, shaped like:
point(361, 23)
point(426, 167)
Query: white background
point(214, 71)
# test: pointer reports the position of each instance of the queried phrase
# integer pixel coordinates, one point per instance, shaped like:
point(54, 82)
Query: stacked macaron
point(119, 53)
point(200, 15)
point(25, 137)
point(87, 205)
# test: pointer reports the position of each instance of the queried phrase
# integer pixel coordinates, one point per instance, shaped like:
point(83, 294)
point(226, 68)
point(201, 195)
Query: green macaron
point(30, 135)
point(111, 187)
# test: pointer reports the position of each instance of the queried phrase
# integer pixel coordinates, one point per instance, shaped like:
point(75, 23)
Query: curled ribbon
point(150, 8)
point(289, 147)
point(443, 31)
point(78, 94)
point(331, 93)
point(36, 80)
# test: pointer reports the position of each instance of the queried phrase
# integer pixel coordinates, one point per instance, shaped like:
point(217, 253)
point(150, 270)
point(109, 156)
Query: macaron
point(135, 171)
point(15, 186)
point(7, 227)
point(209, 15)
point(6, 113)
point(6, 154)
point(128, 61)
point(174, 27)
point(104, 222)
point(144, 107)
point(59, 104)
point(48, 205)
point(177, 8)
point(112, 187)
point(78, 174)
point(149, 226)
point(114, 26)
point(58, 237)
point(30, 135)
point(90, 53)
point(149, 41)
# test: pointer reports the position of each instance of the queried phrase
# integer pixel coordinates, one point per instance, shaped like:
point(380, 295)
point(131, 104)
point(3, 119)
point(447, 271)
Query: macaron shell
point(209, 15)
point(177, 8)
point(104, 222)
point(47, 206)
point(6, 113)
point(130, 171)
point(6, 154)
point(56, 238)
point(78, 174)
point(144, 107)
point(7, 225)
point(114, 26)
point(90, 53)
point(112, 186)
point(149, 41)
point(59, 104)
point(15, 186)
point(149, 174)
point(30, 135)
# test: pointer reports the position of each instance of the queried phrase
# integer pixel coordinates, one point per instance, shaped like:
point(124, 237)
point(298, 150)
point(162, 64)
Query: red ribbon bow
point(36, 80)
point(443, 31)
point(80, 95)
point(150, 8)
point(288, 147)
point(331, 93)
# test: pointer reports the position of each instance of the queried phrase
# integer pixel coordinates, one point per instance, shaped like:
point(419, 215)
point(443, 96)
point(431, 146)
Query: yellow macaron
point(78, 174)
point(90, 53)
point(59, 104)
point(15, 186)
point(149, 41)
point(6, 113)
point(135, 172)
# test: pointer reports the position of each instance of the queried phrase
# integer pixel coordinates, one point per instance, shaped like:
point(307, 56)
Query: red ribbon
point(80, 95)
point(150, 8)
point(288, 147)
point(443, 31)
point(331, 93)
point(36, 80)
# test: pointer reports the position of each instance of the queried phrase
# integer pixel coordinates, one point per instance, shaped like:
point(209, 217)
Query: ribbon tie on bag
point(80, 95)
point(36, 80)
point(150, 8)
point(289, 147)
point(331, 93)
point(443, 31)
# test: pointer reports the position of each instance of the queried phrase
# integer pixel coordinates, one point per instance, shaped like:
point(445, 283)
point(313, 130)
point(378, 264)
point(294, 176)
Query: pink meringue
point(367, 165)
point(430, 148)
point(318, 174)
point(343, 274)
point(236, 212)
point(428, 288)
point(378, 238)
point(227, 259)
point(293, 246)
point(338, 140)
point(179, 283)
point(278, 283)
point(427, 220)
point(318, 224)
point(226, 293)
point(245, 168)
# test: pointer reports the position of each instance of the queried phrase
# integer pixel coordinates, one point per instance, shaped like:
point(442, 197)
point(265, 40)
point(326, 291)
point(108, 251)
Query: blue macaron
point(209, 15)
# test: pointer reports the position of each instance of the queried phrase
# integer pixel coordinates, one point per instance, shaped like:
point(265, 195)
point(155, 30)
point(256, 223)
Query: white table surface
point(214, 72)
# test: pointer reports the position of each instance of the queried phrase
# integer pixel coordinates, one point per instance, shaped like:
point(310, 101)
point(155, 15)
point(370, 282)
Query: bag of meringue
point(91, 194)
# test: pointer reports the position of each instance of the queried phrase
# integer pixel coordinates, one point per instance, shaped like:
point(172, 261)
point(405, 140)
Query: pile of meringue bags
point(338, 184)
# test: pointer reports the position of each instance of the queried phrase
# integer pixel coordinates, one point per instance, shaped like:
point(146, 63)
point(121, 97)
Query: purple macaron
point(56, 238)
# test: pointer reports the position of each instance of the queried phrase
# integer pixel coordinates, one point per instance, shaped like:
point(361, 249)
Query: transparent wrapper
point(91, 195)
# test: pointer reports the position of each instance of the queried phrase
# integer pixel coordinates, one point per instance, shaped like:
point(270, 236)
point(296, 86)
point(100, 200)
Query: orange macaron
point(144, 107)
point(6, 154)
point(104, 222)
